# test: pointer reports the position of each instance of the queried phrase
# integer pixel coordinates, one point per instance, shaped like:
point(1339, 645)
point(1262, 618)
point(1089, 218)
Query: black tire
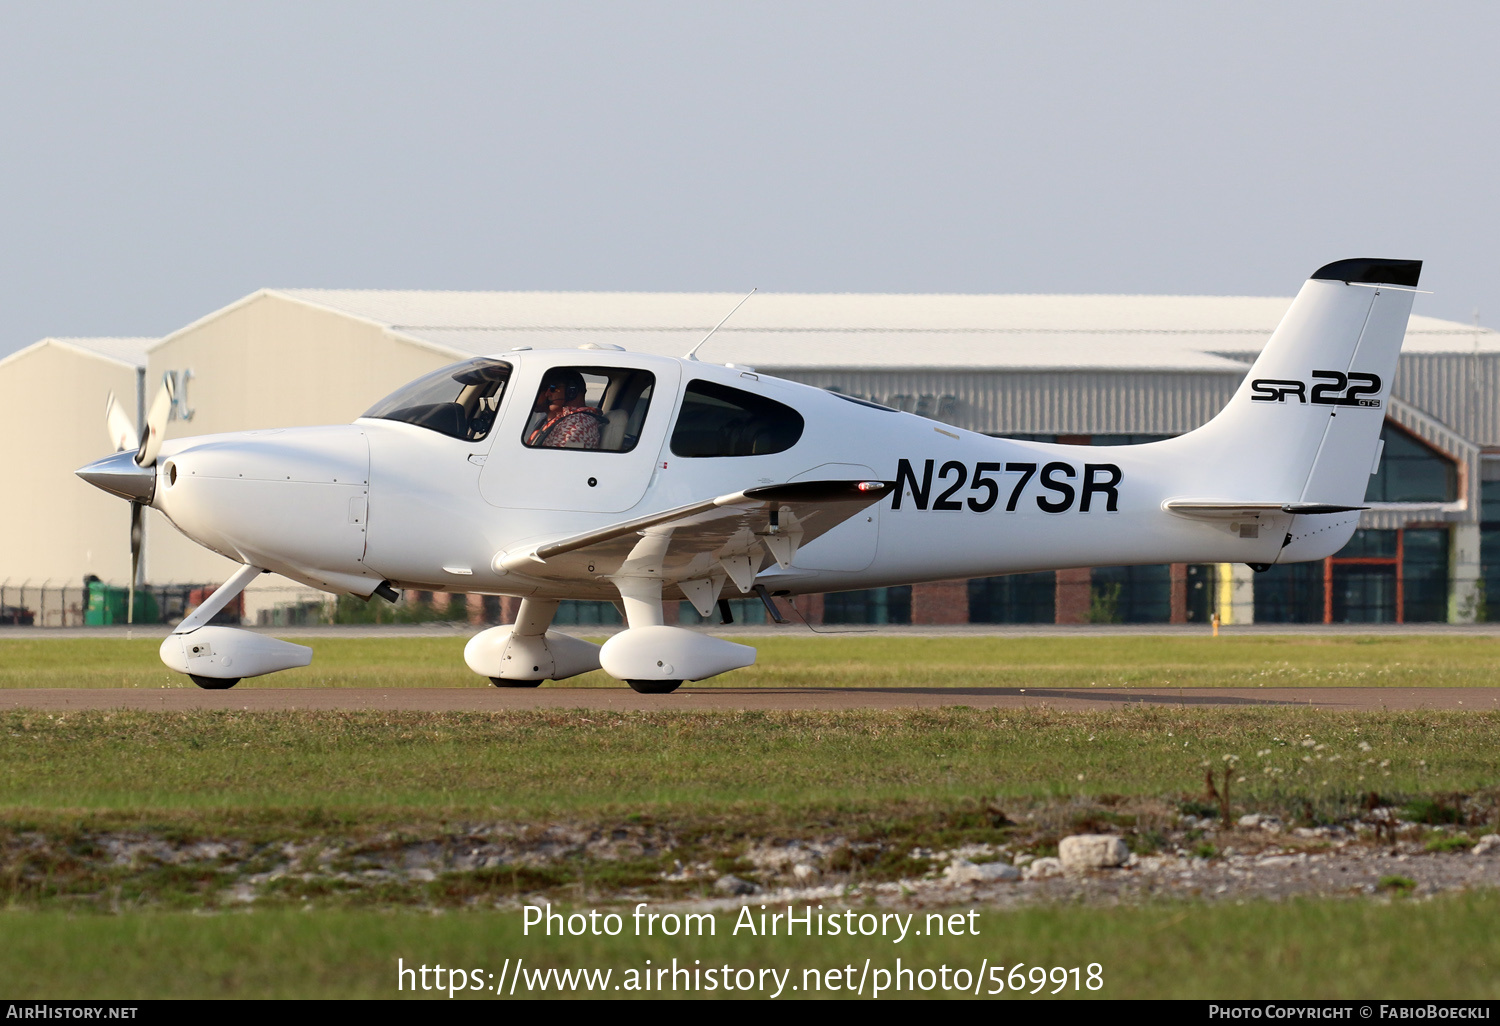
point(214, 683)
point(654, 687)
point(501, 682)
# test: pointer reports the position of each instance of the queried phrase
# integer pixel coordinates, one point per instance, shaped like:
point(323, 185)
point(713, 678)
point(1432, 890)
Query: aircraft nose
point(121, 475)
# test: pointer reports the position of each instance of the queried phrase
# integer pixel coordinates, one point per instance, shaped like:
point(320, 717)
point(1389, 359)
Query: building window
point(1290, 593)
point(1411, 471)
point(1389, 577)
point(1014, 598)
point(1489, 549)
point(1424, 575)
point(1360, 580)
point(1379, 577)
point(1489, 502)
point(1489, 573)
point(1201, 592)
point(1131, 594)
point(575, 613)
point(874, 605)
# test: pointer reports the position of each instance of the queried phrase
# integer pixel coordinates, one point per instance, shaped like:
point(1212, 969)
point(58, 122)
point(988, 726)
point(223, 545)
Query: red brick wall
point(1073, 594)
point(1179, 593)
point(940, 602)
point(810, 606)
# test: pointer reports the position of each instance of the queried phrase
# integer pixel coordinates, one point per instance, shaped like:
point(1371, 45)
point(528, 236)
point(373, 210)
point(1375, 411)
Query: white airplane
point(597, 473)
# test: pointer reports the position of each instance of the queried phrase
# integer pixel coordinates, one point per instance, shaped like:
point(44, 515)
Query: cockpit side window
point(459, 401)
point(596, 408)
point(717, 420)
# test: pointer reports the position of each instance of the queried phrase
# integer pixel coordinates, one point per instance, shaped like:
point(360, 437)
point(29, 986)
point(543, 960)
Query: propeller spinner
point(132, 475)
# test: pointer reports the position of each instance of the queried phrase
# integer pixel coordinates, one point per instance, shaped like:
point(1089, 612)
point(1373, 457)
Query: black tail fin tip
point(1372, 271)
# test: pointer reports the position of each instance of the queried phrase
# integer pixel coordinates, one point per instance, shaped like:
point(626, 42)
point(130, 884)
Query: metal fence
point(46, 604)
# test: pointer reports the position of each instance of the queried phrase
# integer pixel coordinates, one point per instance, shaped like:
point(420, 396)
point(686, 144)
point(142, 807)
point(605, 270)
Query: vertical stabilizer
point(1305, 422)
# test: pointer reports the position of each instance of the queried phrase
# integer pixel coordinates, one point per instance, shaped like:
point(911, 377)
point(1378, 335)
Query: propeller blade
point(122, 433)
point(137, 511)
point(156, 423)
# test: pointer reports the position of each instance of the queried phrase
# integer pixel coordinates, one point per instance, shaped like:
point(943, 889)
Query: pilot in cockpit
point(561, 419)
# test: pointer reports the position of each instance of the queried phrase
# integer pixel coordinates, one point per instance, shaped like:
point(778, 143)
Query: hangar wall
point(53, 527)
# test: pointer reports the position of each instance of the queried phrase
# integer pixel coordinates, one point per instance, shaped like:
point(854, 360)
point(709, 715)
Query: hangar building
point(1077, 369)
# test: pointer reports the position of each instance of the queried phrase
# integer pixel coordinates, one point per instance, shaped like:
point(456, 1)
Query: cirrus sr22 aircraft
point(598, 473)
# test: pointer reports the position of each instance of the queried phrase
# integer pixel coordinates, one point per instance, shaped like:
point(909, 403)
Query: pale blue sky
point(159, 160)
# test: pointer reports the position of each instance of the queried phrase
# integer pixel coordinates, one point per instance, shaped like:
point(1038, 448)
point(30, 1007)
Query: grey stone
point(1260, 820)
point(1083, 852)
point(1041, 869)
point(964, 871)
point(730, 884)
point(1489, 844)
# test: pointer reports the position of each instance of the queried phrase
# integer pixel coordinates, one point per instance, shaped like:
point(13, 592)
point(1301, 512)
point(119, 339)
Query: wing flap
point(1229, 509)
point(732, 536)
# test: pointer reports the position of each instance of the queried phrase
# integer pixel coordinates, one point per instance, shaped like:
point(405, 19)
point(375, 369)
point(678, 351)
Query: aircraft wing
point(700, 545)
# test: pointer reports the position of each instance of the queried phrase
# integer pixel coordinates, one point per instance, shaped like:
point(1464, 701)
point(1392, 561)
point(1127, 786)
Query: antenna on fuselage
point(692, 353)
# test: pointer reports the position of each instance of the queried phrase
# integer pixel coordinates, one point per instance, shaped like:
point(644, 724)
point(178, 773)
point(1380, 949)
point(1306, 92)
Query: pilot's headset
point(570, 380)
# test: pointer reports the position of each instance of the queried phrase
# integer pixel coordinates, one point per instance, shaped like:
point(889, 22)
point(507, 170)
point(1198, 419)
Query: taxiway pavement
point(622, 699)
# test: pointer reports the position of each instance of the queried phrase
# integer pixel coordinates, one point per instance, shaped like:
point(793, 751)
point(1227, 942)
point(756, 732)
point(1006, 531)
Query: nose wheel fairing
point(219, 657)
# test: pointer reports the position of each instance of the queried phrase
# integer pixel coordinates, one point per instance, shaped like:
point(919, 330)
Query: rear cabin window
point(596, 408)
point(717, 420)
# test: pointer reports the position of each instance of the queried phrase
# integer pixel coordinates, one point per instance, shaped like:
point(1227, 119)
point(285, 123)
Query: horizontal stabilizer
point(1226, 509)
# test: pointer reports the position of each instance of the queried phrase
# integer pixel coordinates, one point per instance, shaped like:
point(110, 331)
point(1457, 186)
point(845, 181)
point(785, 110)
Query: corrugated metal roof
point(128, 351)
point(1460, 389)
point(121, 350)
point(699, 311)
point(890, 331)
point(808, 350)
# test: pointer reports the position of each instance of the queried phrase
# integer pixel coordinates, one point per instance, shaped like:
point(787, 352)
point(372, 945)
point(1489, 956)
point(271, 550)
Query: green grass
point(1308, 949)
point(804, 661)
point(77, 923)
point(560, 762)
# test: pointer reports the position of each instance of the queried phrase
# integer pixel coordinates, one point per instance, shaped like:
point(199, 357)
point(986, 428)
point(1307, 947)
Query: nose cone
point(119, 475)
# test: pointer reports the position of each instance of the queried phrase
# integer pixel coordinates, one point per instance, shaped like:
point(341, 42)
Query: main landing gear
point(651, 657)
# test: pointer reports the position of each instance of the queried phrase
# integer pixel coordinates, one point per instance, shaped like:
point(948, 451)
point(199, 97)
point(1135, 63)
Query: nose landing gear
point(214, 683)
point(654, 687)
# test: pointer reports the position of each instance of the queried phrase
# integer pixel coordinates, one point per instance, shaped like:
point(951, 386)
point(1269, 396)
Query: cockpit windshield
point(458, 401)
